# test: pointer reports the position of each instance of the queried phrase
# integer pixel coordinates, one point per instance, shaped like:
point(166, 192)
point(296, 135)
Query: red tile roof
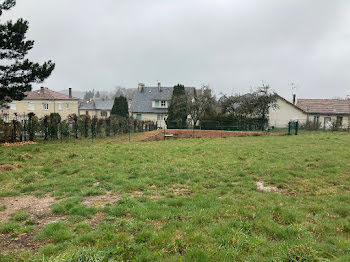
point(325, 106)
point(48, 94)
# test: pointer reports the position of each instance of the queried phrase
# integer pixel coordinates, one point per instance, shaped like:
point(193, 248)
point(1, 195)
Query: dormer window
point(163, 103)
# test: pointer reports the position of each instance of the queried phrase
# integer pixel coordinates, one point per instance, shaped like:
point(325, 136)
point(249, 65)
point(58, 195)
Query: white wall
point(280, 117)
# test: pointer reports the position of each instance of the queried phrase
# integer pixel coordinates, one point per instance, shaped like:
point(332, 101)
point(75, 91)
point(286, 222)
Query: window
point(67, 106)
point(160, 117)
point(139, 116)
point(163, 103)
point(156, 103)
point(87, 113)
point(45, 106)
point(168, 103)
point(104, 113)
point(339, 121)
point(31, 106)
point(316, 119)
point(13, 106)
point(60, 106)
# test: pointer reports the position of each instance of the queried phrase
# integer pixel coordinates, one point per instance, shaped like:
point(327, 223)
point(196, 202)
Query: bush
point(310, 125)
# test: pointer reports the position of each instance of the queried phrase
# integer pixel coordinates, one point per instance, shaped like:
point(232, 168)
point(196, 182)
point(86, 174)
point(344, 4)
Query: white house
point(285, 112)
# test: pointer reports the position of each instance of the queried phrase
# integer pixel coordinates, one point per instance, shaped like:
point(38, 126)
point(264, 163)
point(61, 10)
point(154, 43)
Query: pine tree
point(120, 107)
point(178, 106)
point(17, 74)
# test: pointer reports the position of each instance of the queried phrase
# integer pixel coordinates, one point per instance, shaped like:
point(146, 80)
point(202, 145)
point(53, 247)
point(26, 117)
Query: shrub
point(310, 125)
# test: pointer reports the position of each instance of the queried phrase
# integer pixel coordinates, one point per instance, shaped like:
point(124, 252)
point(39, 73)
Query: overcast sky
point(232, 45)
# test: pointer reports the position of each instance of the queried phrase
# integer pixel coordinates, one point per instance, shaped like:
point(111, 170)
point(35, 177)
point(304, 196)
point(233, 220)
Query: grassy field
point(183, 200)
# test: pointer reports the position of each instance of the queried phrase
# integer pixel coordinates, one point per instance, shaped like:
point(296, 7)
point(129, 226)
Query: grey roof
point(98, 104)
point(142, 101)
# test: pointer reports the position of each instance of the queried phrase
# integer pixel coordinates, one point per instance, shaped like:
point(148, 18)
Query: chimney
point(294, 99)
point(159, 86)
point(70, 92)
point(42, 91)
point(140, 87)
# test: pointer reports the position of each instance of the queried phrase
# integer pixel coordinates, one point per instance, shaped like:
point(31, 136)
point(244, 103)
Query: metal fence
point(226, 125)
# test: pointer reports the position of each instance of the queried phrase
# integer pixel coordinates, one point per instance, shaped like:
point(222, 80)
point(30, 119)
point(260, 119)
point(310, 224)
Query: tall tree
point(17, 74)
point(253, 105)
point(120, 107)
point(202, 104)
point(178, 109)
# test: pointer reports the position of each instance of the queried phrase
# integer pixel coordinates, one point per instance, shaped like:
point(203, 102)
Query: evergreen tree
point(17, 74)
point(178, 105)
point(120, 107)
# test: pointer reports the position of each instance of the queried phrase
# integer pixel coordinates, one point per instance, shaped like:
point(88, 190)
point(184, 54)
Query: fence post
point(76, 126)
point(129, 128)
point(296, 127)
point(289, 128)
point(61, 131)
point(92, 131)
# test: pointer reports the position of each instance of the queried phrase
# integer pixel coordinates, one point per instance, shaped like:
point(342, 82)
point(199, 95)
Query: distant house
point(98, 107)
point(285, 112)
point(327, 112)
point(42, 102)
point(152, 103)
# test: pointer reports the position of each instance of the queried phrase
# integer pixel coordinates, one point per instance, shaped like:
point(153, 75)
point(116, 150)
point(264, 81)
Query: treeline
point(129, 93)
point(193, 106)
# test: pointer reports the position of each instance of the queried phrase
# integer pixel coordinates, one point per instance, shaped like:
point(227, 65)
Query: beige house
point(42, 102)
point(321, 113)
point(327, 113)
point(284, 113)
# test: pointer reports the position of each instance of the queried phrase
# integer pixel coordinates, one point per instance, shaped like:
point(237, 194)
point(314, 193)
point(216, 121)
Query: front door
point(327, 123)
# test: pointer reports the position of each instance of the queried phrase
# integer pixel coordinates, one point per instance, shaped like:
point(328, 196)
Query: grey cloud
point(232, 45)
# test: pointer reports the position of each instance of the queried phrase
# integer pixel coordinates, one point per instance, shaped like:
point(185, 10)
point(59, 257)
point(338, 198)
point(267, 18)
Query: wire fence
point(225, 125)
point(52, 127)
point(30, 128)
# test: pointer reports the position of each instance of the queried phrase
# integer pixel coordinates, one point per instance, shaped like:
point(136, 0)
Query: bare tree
point(202, 104)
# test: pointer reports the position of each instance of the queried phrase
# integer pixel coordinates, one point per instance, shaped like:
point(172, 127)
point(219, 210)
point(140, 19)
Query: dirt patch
point(102, 200)
point(37, 207)
point(23, 242)
point(158, 135)
point(96, 219)
point(260, 186)
point(40, 214)
point(20, 144)
point(181, 191)
point(5, 168)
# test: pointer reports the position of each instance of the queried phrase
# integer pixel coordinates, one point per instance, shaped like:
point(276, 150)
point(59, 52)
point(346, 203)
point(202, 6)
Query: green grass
point(188, 200)
point(19, 216)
